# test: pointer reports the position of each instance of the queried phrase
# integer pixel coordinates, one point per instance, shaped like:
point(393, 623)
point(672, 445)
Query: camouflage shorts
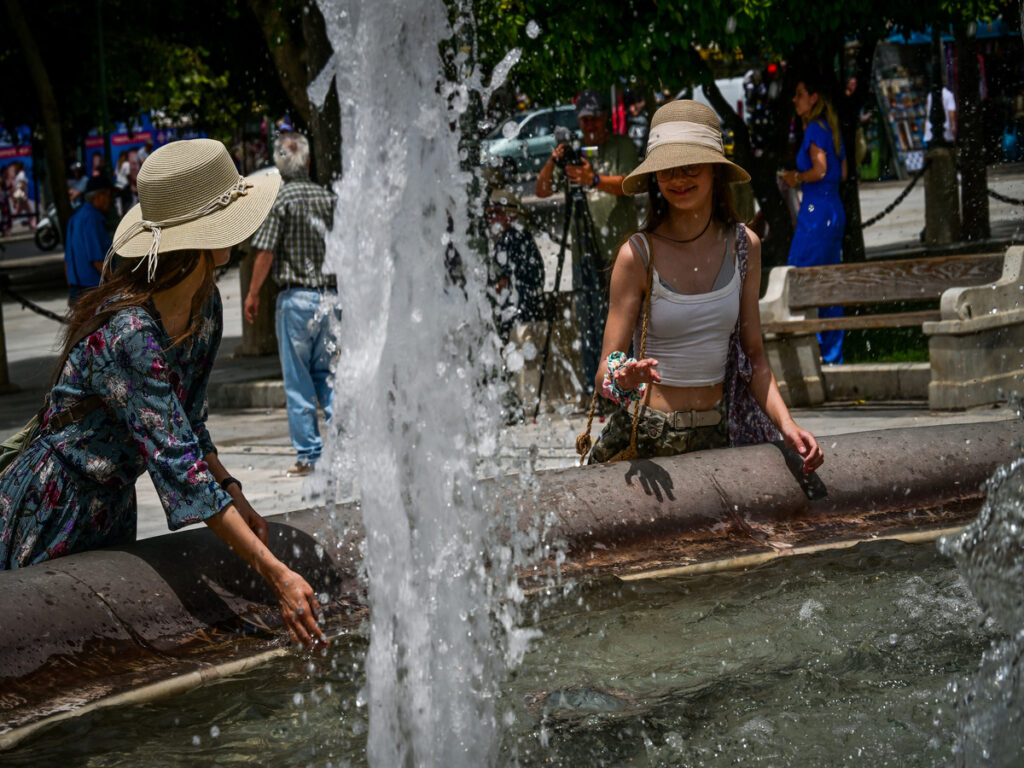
point(655, 436)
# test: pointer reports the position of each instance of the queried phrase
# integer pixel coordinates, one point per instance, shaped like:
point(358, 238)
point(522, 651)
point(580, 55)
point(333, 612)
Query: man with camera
point(598, 167)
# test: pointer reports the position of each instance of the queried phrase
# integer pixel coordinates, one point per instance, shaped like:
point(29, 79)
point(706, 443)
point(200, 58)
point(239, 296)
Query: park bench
point(973, 349)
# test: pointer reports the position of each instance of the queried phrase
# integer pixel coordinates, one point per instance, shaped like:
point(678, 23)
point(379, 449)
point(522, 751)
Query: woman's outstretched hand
point(631, 375)
point(803, 442)
point(299, 608)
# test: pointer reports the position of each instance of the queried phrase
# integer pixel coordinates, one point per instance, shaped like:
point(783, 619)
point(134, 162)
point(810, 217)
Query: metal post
point(5, 381)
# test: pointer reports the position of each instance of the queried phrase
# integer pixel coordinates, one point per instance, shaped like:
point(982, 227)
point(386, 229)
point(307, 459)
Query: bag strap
point(583, 440)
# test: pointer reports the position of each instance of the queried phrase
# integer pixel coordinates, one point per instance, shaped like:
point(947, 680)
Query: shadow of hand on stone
point(654, 479)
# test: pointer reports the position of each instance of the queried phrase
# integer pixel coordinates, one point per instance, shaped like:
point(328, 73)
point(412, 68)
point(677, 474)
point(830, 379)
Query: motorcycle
point(48, 230)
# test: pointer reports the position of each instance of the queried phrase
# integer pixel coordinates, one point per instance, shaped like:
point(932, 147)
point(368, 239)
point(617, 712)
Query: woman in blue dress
point(820, 166)
point(131, 395)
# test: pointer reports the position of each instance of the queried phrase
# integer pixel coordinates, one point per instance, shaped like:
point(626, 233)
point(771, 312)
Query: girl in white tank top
point(704, 380)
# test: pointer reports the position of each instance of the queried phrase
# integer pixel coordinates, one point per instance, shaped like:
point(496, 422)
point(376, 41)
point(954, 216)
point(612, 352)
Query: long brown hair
point(129, 286)
point(823, 110)
point(723, 205)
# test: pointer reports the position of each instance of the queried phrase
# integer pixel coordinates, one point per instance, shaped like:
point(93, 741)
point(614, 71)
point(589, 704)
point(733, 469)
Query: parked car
point(528, 138)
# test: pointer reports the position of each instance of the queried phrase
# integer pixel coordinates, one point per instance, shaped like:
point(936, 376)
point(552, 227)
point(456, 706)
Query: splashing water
point(990, 554)
point(416, 390)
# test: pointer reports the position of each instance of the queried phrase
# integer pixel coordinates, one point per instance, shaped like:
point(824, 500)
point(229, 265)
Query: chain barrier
point(1003, 198)
point(899, 199)
point(31, 305)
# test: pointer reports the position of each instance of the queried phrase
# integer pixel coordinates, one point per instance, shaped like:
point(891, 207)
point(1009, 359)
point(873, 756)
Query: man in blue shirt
point(87, 238)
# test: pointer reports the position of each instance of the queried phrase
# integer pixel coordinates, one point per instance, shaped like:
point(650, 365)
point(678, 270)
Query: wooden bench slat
point(852, 322)
point(889, 281)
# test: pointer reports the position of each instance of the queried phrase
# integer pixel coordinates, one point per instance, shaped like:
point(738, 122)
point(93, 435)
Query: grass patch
point(888, 345)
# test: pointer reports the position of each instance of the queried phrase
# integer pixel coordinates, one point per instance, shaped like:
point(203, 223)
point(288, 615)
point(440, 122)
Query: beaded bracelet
point(611, 387)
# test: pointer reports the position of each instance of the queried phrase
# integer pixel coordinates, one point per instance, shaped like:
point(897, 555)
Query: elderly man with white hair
point(290, 247)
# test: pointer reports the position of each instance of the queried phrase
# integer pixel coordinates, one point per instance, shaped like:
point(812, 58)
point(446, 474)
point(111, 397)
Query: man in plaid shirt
point(290, 246)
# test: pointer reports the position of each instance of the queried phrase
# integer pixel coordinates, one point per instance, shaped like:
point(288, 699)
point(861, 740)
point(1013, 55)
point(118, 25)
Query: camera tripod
point(579, 221)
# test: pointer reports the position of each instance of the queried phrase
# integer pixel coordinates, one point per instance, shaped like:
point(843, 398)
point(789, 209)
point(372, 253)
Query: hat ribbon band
point(151, 257)
point(685, 133)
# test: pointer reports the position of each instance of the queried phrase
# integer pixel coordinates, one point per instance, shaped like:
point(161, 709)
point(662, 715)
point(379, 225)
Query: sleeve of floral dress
point(207, 344)
point(128, 370)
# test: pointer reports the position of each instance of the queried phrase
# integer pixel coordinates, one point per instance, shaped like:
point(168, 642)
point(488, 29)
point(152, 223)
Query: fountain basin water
point(84, 630)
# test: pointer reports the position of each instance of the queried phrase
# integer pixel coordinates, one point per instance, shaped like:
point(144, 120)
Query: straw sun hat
point(682, 133)
point(191, 196)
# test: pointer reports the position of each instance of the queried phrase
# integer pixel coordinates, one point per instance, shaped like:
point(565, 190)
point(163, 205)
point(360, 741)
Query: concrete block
point(977, 348)
point(877, 381)
point(246, 394)
point(795, 359)
point(979, 367)
point(796, 362)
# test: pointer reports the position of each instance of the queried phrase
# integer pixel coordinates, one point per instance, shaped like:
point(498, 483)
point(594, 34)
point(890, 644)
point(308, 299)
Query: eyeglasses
point(689, 171)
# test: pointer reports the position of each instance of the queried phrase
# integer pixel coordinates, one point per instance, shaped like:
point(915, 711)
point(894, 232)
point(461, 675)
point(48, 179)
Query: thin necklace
point(674, 240)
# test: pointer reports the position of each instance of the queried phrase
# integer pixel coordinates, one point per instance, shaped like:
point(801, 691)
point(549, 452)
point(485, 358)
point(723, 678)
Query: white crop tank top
point(688, 334)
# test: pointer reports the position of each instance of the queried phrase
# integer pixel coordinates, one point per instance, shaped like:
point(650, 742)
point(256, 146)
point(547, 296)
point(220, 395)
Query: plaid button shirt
point(295, 232)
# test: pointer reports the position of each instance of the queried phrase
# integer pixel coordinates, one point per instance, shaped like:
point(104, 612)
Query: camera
point(571, 155)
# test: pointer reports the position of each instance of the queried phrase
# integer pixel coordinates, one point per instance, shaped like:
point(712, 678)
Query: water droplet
point(532, 29)
point(297, 699)
point(214, 731)
point(508, 130)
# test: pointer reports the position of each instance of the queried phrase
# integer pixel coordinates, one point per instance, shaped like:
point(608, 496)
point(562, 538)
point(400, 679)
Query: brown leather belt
point(77, 412)
point(692, 419)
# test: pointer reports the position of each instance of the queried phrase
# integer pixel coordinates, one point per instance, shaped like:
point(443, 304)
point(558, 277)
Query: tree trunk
point(970, 139)
point(299, 53)
point(324, 123)
point(775, 249)
point(54, 141)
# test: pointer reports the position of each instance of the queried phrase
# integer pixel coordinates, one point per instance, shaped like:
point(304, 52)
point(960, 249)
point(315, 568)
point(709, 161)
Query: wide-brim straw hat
point(682, 133)
point(191, 196)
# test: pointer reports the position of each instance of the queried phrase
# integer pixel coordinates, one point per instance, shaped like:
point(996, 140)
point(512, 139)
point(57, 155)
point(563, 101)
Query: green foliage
point(204, 64)
point(653, 42)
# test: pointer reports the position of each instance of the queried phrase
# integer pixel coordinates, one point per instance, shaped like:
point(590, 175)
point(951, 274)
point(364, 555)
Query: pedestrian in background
point(820, 167)
point(517, 267)
point(290, 246)
point(87, 238)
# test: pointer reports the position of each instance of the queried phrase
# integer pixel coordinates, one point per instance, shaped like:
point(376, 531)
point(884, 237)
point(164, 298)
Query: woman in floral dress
point(131, 396)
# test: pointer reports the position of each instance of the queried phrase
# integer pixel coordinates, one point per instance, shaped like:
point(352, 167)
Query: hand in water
point(299, 609)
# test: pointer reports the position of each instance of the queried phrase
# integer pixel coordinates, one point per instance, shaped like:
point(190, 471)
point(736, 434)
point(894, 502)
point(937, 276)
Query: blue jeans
point(304, 343)
point(591, 309)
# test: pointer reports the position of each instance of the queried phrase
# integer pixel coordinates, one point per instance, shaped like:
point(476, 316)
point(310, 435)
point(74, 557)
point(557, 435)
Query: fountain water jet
point(418, 361)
